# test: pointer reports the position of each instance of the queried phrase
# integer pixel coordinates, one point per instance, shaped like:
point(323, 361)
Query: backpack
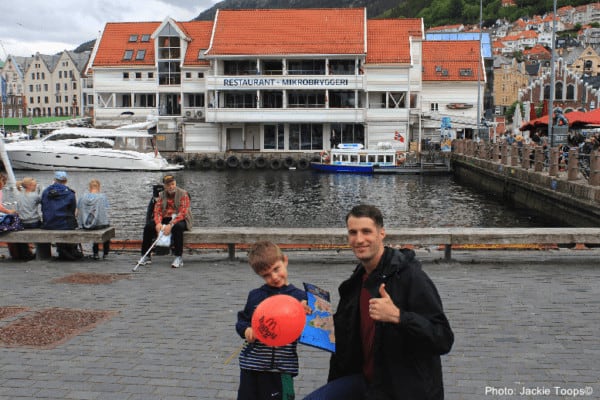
point(69, 251)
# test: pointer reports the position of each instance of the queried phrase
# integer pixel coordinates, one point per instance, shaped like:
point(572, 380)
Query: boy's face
point(276, 275)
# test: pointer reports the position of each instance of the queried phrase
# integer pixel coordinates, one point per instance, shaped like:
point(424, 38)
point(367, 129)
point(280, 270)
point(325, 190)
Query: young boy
point(267, 372)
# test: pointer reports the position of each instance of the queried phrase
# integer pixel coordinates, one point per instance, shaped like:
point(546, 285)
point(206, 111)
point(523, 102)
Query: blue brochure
point(318, 331)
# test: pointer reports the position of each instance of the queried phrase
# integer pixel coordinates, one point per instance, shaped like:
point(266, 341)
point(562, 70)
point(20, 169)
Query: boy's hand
point(307, 309)
point(249, 334)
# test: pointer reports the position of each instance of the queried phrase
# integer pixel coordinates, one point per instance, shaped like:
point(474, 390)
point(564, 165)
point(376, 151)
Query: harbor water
point(295, 198)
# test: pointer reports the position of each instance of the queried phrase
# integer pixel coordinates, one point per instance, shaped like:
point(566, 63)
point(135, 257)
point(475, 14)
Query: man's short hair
point(366, 211)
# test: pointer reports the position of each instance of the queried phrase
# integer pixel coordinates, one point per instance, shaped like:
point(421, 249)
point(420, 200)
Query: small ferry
point(353, 158)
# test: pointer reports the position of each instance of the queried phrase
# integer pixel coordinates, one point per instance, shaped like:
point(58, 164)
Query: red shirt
point(184, 205)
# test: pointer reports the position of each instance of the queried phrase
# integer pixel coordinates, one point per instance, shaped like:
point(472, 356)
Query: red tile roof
point(115, 41)
point(464, 55)
point(289, 31)
point(389, 39)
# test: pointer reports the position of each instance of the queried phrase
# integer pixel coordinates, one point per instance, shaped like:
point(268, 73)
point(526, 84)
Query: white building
point(264, 80)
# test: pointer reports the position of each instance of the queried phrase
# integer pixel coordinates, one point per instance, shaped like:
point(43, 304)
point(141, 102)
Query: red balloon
point(278, 320)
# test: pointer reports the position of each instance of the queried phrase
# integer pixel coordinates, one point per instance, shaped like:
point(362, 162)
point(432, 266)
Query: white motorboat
point(127, 148)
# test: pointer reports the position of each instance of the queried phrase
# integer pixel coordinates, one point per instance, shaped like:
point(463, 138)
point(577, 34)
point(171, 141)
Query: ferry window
point(341, 67)
point(141, 54)
point(274, 137)
point(128, 55)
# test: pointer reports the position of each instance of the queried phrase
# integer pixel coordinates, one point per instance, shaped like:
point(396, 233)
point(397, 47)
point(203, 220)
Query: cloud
point(48, 27)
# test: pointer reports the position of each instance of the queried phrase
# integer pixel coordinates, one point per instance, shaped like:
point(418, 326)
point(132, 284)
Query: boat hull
point(100, 160)
point(342, 168)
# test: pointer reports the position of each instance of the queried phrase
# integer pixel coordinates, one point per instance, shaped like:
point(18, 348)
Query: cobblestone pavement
point(523, 321)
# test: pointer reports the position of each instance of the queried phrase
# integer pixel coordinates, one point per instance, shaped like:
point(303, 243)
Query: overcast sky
point(48, 27)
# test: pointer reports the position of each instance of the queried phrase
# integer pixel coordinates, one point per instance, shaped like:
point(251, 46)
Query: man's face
point(170, 187)
point(366, 240)
point(276, 275)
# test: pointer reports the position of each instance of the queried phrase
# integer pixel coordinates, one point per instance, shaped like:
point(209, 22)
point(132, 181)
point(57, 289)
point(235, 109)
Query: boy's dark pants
point(261, 385)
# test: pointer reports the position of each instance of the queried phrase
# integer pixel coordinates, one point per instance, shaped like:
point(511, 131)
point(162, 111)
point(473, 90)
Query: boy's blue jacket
point(258, 356)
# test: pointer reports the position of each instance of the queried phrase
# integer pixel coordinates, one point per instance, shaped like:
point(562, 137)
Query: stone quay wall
point(535, 178)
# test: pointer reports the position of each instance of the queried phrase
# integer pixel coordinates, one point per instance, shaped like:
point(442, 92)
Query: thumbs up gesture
point(383, 309)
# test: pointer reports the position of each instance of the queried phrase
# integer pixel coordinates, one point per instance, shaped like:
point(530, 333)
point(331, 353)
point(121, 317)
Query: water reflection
point(299, 199)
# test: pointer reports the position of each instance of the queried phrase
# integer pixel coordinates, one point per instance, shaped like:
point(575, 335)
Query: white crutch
point(160, 235)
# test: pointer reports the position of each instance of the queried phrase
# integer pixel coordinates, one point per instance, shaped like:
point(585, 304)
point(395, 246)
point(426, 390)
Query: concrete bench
point(43, 238)
point(406, 236)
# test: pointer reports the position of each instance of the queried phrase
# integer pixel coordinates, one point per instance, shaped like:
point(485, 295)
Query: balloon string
point(234, 354)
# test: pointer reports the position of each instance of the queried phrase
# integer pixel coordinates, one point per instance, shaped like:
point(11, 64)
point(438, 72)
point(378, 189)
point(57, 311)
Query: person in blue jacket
point(390, 326)
point(59, 205)
point(267, 372)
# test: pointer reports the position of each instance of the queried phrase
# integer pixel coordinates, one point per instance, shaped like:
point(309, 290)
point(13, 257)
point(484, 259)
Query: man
point(172, 215)
point(390, 327)
point(58, 213)
point(59, 204)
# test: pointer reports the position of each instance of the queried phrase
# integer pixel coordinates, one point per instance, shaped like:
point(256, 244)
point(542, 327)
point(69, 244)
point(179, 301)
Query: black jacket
point(407, 356)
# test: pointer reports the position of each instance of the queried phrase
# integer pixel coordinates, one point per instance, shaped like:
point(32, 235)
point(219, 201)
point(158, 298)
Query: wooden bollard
point(595, 169)
point(553, 162)
point(573, 166)
point(504, 153)
point(538, 165)
point(525, 161)
point(514, 155)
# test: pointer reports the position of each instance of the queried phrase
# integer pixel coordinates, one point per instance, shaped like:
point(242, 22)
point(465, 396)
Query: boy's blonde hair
point(25, 182)
point(94, 183)
point(263, 254)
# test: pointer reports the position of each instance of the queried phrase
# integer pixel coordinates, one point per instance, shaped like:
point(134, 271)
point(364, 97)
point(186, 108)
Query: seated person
point(93, 214)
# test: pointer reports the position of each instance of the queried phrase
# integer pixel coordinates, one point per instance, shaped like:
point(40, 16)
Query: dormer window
point(128, 55)
point(133, 38)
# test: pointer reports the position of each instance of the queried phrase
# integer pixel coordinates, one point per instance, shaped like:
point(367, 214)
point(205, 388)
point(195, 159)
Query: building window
point(306, 67)
point(271, 67)
point(341, 67)
point(350, 133)
point(272, 99)
point(274, 137)
point(240, 67)
point(341, 99)
point(240, 99)
point(200, 75)
point(304, 99)
point(188, 75)
point(125, 75)
point(140, 55)
point(169, 73)
point(145, 38)
point(150, 75)
point(128, 55)
point(145, 100)
point(434, 107)
point(138, 75)
point(194, 99)
point(133, 38)
point(306, 137)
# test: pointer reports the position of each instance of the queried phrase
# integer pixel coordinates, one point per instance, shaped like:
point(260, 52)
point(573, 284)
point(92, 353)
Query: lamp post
point(552, 79)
